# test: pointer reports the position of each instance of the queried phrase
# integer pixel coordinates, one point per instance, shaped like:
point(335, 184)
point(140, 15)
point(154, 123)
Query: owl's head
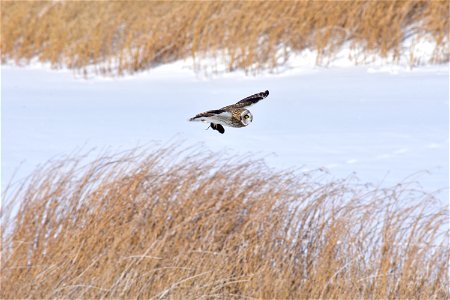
point(246, 117)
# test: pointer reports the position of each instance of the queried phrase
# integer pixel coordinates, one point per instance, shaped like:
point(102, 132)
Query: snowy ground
point(384, 124)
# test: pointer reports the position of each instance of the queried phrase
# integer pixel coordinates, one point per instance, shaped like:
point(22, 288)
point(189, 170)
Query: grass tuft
point(141, 225)
point(118, 37)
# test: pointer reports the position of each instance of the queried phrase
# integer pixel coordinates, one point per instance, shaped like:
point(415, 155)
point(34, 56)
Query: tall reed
point(124, 37)
point(149, 225)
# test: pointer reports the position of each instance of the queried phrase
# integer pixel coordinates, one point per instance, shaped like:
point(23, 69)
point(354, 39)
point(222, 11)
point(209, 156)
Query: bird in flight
point(235, 115)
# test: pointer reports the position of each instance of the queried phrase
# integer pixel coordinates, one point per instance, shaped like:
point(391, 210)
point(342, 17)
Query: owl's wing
point(213, 116)
point(250, 100)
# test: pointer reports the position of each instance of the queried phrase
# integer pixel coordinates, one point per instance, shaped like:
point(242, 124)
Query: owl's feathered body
point(235, 115)
point(230, 117)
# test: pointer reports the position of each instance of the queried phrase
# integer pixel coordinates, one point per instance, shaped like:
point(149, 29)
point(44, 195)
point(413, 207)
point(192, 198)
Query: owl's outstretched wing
point(250, 100)
point(213, 116)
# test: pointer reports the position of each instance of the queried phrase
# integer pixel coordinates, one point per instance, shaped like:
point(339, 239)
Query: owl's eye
point(246, 116)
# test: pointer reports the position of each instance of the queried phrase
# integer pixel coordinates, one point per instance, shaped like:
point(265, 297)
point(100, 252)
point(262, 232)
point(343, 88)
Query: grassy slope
point(142, 225)
point(131, 36)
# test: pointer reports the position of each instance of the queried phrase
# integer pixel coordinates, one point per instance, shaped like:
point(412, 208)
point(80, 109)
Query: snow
point(385, 123)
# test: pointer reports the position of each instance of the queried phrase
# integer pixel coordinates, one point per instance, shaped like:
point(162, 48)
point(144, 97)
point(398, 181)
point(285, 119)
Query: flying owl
point(235, 115)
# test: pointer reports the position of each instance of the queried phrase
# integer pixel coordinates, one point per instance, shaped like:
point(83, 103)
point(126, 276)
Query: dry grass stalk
point(124, 37)
point(148, 226)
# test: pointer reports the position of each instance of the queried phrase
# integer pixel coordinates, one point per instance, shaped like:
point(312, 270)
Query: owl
point(235, 115)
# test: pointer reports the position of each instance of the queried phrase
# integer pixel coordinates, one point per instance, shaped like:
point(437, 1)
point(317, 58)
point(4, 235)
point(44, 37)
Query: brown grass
point(125, 36)
point(153, 226)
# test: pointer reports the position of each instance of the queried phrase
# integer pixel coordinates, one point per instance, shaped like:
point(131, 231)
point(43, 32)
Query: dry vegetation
point(204, 227)
point(124, 36)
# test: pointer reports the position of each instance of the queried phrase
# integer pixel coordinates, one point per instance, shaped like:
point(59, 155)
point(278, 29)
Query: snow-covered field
point(385, 124)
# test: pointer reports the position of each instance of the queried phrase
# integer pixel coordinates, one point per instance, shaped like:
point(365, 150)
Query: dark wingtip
point(266, 93)
point(218, 127)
